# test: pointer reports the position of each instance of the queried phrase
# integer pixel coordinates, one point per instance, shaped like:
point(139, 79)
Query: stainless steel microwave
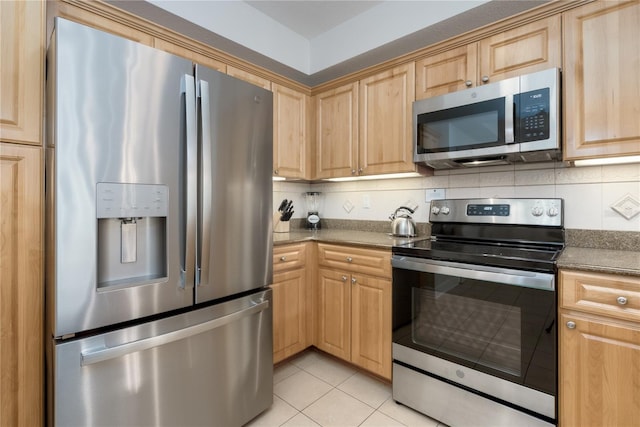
point(513, 120)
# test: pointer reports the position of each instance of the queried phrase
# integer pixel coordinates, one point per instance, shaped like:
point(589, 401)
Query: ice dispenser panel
point(132, 246)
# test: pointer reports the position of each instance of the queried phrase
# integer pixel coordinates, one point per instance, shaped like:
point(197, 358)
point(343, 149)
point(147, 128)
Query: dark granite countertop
point(597, 260)
point(371, 239)
point(586, 250)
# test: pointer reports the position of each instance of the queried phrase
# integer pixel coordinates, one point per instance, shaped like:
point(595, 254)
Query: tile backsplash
point(588, 192)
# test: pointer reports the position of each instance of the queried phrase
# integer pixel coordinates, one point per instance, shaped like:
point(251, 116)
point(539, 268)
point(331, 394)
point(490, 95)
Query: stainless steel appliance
point(513, 120)
point(474, 313)
point(159, 237)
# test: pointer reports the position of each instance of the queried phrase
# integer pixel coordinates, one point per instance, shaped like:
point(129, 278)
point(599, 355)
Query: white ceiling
point(311, 18)
point(311, 36)
point(313, 42)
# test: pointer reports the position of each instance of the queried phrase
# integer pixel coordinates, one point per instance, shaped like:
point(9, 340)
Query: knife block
point(281, 226)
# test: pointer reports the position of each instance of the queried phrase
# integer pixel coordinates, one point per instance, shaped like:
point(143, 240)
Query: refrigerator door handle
point(189, 185)
point(96, 356)
point(205, 187)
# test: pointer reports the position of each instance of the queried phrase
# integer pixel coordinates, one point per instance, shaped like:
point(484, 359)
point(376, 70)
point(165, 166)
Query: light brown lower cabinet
point(599, 350)
point(353, 308)
point(21, 286)
point(292, 292)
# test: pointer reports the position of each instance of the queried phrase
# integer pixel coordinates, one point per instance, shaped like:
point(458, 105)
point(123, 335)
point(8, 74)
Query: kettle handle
point(405, 208)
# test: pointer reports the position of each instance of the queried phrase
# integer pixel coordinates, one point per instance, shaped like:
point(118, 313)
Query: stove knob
point(537, 211)
point(553, 211)
point(435, 210)
point(445, 210)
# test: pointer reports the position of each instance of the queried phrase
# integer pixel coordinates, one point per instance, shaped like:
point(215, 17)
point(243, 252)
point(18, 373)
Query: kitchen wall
point(588, 192)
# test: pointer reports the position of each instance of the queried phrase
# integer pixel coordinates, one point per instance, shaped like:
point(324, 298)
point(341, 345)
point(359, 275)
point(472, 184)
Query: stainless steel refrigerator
point(159, 247)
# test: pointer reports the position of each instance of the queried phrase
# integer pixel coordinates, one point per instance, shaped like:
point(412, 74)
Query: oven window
point(506, 331)
point(462, 128)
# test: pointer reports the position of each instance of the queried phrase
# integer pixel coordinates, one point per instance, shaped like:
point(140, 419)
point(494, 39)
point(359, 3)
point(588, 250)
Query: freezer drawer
point(212, 366)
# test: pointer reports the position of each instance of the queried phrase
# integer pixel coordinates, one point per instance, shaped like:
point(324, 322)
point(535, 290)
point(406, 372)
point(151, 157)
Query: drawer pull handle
point(621, 300)
point(349, 259)
point(283, 258)
point(353, 280)
point(344, 278)
point(571, 325)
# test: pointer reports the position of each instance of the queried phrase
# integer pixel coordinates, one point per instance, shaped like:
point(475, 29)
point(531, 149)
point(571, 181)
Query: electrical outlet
point(434, 194)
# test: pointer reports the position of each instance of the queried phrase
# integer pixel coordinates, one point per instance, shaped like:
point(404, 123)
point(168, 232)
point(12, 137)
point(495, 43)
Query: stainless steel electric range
point(474, 313)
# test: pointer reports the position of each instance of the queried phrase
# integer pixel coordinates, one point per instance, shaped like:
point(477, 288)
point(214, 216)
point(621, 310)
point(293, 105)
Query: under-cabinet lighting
point(279, 178)
point(607, 161)
point(369, 177)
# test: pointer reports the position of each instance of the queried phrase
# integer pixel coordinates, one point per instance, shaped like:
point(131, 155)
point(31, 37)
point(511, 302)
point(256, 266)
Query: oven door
point(487, 329)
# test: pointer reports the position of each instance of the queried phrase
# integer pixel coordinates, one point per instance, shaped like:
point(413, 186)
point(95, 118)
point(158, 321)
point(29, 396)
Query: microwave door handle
point(509, 119)
point(206, 193)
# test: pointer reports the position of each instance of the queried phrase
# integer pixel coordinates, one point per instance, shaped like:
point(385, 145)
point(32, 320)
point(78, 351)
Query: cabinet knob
point(349, 259)
point(468, 83)
point(621, 300)
point(283, 258)
point(571, 325)
point(353, 280)
point(275, 172)
point(344, 278)
point(485, 79)
point(353, 171)
point(360, 171)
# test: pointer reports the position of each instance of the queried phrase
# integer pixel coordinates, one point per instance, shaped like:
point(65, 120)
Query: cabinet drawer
point(357, 260)
point(606, 294)
point(289, 256)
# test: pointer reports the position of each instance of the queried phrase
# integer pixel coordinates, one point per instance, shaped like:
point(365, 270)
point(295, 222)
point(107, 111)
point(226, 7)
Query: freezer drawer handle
point(96, 356)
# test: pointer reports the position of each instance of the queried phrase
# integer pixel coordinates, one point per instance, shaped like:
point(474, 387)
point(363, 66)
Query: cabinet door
point(601, 84)
point(290, 132)
point(337, 132)
point(386, 140)
point(599, 372)
point(21, 286)
point(525, 49)
point(334, 313)
point(289, 324)
point(371, 324)
point(447, 72)
point(21, 71)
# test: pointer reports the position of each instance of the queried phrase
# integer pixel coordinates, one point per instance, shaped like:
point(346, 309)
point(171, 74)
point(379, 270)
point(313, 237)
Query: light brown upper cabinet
point(21, 71)
point(291, 134)
point(600, 78)
point(385, 143)
point(525, 49)
point(337, 132)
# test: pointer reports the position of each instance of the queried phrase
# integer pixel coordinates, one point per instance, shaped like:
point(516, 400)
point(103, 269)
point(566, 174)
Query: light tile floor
point(315, 389)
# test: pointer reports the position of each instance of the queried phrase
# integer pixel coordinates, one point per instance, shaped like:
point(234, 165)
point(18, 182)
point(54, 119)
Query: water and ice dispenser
point(132, 230)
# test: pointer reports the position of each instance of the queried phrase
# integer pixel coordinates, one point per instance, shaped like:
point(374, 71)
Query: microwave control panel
point(533, 108)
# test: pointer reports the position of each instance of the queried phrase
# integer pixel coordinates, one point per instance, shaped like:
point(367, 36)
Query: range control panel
point(547, 212)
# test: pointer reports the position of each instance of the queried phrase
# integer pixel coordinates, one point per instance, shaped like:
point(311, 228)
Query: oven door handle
point(527, 279)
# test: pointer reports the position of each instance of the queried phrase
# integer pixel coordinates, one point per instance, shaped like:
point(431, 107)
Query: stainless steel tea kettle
point(402, 224)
